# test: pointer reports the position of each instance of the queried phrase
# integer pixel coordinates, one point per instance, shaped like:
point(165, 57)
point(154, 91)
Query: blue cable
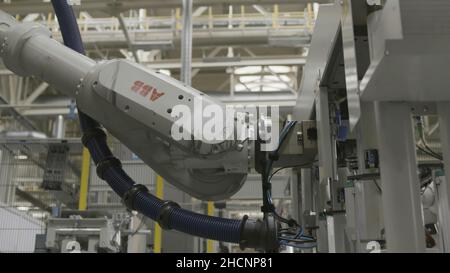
point(299, 246)
point(299, 234)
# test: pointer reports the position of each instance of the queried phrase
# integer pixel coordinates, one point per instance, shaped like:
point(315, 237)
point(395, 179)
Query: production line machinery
point(374, 80)
point(375, 73)
point(139, 107)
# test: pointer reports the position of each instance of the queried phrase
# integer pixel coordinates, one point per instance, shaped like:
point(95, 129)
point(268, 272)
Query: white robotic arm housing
point(134, 104)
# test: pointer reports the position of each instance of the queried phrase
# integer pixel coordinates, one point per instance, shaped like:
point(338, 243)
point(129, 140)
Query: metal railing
point(272, 23)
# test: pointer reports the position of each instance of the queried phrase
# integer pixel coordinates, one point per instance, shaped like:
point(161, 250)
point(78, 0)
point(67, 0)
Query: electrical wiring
point(300, 246)
point(118, 228)
point(267, 197)
point(436, 156)
point(425, 145)
point(279, 218)
point(292, 166)
point(426, 152)
point(300, 233)
point(141, 224)
point(289, 222)
point(295, 237)
point(431, 151)
point(308, 237)
point(425, 149)
point(299, 240)
point(378, 186)
point(267, 175)
point(427, 183)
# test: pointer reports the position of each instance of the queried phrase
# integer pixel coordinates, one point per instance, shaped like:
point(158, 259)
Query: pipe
point(245, 232)
point(186, 43)
point(59, 127)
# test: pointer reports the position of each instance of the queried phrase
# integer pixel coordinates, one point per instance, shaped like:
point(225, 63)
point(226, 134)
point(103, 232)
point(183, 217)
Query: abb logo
point(145, 89)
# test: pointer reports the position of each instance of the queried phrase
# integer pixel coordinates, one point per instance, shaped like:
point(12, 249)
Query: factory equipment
point(358, 138)
point(76, 235)
point(373, 75)
point(92, 232)
point(138, 106)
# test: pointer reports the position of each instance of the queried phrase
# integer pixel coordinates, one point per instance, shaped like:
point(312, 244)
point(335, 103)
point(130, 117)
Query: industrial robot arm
point(137, 106)
point(114, 93)
point(134, 104)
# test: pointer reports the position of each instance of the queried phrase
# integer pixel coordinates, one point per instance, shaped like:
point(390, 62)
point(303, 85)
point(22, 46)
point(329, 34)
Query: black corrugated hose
point(245, 232)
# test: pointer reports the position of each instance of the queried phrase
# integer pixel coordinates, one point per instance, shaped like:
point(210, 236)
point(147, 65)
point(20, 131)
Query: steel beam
point(399, 180)
point(296, 202)
point(127, 37)
point(212, 54)
point(350, 61)
point(287, 60)
point(36, 93)
point(367, 197)
point(33, 200)
point(444, 194)
point(325, 167)
point(19, 117)
point(328, 182)
point(110, 6)
point(186, 43)
point(281, 60)
point(322, 44)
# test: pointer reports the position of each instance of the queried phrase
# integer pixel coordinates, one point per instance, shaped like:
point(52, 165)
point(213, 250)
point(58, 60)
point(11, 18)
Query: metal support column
point(325, 148)
point(186, 43)
point(210, 243)
point(307, 195)
point(367, 197)
point(328, 178)
point(296, 204)
point(325, 169)
point(306, 208)
point(175, 241)
point(157, 241)
point(84, 182)
point(59, 127)
point(400, 183)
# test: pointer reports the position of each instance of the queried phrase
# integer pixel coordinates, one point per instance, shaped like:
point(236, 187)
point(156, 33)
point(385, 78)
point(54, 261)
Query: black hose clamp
point(96, 132)
point(164, 214)
point(274, 156)
point(259, 234)
point(129, 196)
point(267, 208)
point(106, 163)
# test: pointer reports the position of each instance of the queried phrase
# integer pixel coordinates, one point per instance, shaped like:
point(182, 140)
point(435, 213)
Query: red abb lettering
point(145, 89)
point(136, 86)
point(155, 95)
